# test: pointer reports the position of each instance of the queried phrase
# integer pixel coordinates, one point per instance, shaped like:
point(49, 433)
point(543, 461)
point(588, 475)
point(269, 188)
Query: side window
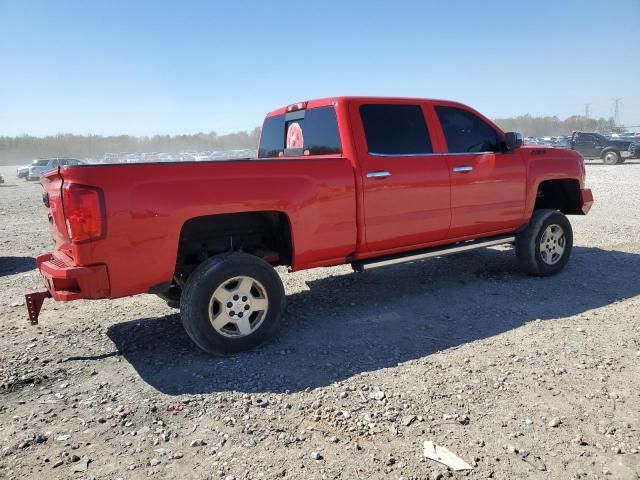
point(54, 163)
point(586, 138)
point(395, 129)
point(303, 132)
point(272, 137)
point(467, 133)
point(64, 161)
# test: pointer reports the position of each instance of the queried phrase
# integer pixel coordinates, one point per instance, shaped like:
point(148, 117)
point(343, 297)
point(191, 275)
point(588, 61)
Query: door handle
point(378, 174)
point(462, 169)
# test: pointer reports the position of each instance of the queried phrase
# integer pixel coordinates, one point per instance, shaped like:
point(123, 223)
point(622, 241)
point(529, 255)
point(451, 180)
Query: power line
point(616, 111)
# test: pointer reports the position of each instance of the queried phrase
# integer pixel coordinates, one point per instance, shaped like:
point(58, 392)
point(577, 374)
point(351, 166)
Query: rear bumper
point(586, 200)
point(67, 282)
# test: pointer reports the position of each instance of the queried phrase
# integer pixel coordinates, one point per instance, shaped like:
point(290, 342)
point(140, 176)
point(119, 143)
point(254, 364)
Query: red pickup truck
point(357, 180)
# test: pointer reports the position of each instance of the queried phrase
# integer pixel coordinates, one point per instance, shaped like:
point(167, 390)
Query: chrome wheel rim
point(611, 157)
point(238, 307)
point(552, 244)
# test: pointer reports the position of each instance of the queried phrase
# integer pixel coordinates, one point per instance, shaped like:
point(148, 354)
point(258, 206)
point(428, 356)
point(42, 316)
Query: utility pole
point(616, 112)
point(586, 109)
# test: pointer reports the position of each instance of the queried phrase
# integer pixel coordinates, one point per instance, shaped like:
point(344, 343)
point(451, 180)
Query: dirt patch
point(521, 377)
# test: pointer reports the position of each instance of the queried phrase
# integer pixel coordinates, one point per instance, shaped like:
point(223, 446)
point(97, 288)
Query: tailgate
point(52, 199)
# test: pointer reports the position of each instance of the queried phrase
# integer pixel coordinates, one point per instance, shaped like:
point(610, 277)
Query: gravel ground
point(521, 377)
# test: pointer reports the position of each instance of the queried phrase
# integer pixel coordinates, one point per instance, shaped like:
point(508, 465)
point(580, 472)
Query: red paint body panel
point(586, 200)
point(491, 196)
point(147, 205)
point(334, 211)
point(554, 164)
point(67, 282)
point(410, 207)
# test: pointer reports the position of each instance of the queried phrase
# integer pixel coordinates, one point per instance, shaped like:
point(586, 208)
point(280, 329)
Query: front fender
point(554, 164)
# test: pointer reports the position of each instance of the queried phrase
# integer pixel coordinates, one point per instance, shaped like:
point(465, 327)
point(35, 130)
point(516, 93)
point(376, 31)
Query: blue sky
point(146, 67)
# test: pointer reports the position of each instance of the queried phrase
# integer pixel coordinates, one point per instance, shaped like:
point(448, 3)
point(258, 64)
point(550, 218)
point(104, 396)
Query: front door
point(588, 144)
point(406, 188)
point(487, 184)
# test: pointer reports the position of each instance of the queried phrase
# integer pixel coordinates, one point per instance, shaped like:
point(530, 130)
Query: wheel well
point(264, 234)
point(563, 195)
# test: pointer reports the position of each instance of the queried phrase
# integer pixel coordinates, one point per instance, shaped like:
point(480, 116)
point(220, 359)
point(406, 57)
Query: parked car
point(44, 165)
point(358, 180)
point(200, 157)
point(23, 171)
point(562, 141)
point(165, 157)
point(610, 151)
point(626, 136)
point(1, 178)
point(132, 158)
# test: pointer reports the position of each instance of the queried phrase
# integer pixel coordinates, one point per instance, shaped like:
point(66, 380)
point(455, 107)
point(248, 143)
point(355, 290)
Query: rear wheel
point(231, 303)
point(544, 247)
point(611, 157)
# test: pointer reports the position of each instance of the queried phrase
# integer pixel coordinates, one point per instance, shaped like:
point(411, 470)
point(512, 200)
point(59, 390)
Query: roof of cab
point(329, 101)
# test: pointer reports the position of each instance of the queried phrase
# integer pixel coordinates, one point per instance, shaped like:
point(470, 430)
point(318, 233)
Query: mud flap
point(34, 304)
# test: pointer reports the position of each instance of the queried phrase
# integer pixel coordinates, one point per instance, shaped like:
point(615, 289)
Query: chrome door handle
point(379, 174)
point(464, 168)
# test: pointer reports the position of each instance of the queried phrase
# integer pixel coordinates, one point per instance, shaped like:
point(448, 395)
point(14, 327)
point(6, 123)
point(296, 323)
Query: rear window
point(395, 129)
point(303, 132)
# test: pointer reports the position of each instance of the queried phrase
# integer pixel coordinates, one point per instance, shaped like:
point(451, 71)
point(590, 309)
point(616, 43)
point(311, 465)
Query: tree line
point(531, 126)
point(20, 149)
point(24, 148)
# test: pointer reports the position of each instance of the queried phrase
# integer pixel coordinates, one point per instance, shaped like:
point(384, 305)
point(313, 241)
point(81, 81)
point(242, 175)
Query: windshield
point(40, 163)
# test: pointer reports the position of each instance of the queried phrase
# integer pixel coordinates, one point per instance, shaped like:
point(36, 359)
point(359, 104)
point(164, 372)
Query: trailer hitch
point(34, 304)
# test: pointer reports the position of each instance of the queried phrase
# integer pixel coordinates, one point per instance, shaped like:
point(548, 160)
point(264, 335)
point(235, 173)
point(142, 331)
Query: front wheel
point(231, 303)
point(544, 247)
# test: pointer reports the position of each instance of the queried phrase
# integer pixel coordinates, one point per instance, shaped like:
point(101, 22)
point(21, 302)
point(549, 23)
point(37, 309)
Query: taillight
point(84, 212)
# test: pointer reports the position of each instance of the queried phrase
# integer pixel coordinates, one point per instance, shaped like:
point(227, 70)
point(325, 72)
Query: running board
point(361, 265)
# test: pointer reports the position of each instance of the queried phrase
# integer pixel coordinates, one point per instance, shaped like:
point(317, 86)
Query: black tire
point(216, 273)
point(529, 243)
point(611, 157)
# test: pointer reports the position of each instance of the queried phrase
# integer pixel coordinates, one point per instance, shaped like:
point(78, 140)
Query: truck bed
point(147, 205)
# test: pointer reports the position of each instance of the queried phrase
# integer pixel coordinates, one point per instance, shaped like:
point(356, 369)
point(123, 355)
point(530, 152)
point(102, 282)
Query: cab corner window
point(392, 129)
point(467, 133)
point(272, 137)
point(311, 132)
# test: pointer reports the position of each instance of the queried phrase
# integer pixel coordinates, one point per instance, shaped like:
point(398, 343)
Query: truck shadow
point(13, 265)
point(348, 324)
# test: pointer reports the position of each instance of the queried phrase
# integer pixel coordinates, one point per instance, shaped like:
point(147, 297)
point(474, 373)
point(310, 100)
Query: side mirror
point(513, 140)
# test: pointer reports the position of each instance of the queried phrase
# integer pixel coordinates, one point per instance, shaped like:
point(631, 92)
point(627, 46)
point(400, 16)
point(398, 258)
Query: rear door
point(405, 187)
point(487, 184)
